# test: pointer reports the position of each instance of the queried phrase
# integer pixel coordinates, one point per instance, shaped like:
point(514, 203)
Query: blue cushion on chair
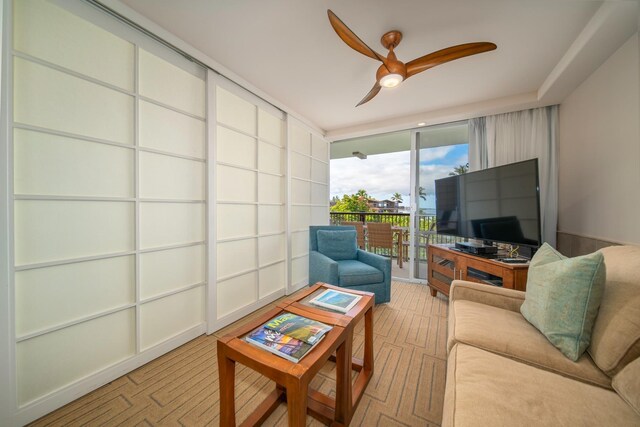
point(353, 273)
point(338, 245)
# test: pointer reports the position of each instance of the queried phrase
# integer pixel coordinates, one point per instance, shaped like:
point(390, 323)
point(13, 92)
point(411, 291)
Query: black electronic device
point(476, 249)
point(513, 260)
point(500, 204)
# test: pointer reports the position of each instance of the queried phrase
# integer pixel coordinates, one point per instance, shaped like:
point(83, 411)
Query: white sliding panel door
point(172, 192)
point(309, 188)
point(108, 169)
point(249, 262)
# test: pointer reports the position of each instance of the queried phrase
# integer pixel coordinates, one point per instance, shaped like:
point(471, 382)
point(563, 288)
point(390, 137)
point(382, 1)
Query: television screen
point(500, 204)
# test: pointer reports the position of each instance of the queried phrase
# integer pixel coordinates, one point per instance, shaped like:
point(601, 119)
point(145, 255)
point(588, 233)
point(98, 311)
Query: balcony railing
point(428, 232)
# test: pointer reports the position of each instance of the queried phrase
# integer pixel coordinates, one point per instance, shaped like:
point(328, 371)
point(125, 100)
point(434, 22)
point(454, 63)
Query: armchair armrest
point(508, 299)
point(380, 262)
point(322, 269)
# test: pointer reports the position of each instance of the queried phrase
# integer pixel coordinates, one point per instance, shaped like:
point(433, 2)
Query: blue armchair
point(334, 258)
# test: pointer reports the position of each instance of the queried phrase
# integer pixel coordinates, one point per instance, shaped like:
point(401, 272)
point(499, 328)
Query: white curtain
point(517, 136)
point(477, 144)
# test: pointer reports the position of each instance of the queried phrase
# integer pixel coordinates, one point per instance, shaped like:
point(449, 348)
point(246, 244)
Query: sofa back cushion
point(627, 384)
point(563, 296)
point(615, 340)
point(338, 245)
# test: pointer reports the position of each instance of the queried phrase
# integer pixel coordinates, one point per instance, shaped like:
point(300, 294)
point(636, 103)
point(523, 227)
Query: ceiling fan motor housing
point(393, 66)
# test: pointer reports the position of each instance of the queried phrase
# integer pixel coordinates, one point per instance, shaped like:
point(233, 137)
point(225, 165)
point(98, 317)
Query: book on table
point(280, 345)
point(336, 300)
point(288, 336)
point(298, 327)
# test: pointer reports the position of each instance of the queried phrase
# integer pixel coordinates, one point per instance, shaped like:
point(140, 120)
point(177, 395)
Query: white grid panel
point(250, 199)
point(309, 190)
point(105, 194)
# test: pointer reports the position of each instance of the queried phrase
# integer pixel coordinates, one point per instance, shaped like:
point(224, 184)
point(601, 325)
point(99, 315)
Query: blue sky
point(384, 174)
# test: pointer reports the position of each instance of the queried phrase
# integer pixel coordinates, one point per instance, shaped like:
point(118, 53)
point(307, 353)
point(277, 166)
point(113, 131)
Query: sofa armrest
point(322, 269)
point(380, 262)
point(508, 299)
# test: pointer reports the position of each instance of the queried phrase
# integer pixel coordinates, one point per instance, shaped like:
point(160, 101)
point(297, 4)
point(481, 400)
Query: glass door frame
point(413, 213)
point(413, 217)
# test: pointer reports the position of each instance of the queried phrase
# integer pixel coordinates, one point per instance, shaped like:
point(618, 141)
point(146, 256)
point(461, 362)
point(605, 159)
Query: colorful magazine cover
point(279, 344)
point(336, 300)
point(307, 330)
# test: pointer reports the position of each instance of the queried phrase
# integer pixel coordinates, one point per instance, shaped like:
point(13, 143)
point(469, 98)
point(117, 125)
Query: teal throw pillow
point(563, 296)
point(338, 245)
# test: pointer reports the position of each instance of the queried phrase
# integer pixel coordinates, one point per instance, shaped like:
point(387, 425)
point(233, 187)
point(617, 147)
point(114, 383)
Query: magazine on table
point(336, 300)
point(301, 328)
point(281, 345)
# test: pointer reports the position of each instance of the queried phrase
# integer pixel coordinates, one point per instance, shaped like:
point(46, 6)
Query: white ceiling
point(288, 51)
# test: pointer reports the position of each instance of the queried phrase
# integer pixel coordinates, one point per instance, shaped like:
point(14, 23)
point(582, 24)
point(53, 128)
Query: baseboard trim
point(56, 399)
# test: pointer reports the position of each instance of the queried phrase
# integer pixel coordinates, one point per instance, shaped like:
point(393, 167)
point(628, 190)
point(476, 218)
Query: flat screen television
point(500, 204)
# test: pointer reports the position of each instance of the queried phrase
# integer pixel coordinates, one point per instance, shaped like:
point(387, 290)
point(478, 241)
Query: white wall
point(599, 151)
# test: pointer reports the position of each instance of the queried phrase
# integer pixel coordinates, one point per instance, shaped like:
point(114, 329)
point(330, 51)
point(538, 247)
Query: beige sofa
point(503, 372)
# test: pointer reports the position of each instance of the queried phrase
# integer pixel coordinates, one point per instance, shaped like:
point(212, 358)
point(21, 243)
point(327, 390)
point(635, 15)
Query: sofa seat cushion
point(615, 339)
point(509, 334)
point(353, 273)
point(485, 389)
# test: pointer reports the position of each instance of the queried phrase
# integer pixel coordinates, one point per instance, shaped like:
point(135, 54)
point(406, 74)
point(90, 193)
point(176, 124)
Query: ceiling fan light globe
point(391, 80)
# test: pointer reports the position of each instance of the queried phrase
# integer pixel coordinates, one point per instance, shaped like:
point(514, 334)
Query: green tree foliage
point(352, 203)
point(459, 170)
point(363, 193)
point(397, 197)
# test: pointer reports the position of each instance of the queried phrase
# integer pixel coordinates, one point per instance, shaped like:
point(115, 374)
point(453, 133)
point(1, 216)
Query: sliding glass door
point(437, 152)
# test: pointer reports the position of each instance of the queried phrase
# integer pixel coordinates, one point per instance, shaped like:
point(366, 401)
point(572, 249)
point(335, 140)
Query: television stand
point(446, 264)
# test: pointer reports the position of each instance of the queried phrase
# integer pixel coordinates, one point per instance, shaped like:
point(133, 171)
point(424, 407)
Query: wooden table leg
point(365, 366)
point(400, 250)
point(368, 340)
point(344, 404)
point(297, 395)
point(226, 373)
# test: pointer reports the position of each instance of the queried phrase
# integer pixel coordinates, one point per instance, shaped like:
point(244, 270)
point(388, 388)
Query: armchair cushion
point(353, 273)
point(338, 245)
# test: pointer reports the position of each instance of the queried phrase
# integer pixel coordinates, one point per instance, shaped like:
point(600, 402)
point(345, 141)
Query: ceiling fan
point(392, 71)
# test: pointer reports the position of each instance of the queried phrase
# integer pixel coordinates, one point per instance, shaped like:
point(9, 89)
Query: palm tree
point(397, 197)
point(459, 170)
point(422, 193)
point(363, 194)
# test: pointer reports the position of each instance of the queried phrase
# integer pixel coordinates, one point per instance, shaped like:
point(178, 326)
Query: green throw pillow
point(563, 297)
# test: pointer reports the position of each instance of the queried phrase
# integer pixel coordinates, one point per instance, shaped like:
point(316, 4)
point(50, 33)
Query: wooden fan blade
point(350, 38)
point(373, 92)
point(445, 55)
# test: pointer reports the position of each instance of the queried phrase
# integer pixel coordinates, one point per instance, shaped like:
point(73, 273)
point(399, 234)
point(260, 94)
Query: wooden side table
point(364, 308)
point(292, 379)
